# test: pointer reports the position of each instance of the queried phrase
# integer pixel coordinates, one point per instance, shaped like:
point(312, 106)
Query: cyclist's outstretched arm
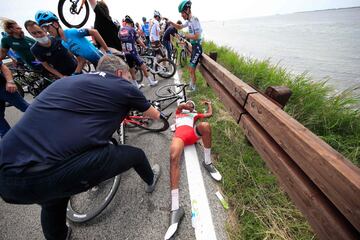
point(209, 110)
point(177, 26)
point(52, 70)
point(152, 113)
point(3, 53)
point(98, 38)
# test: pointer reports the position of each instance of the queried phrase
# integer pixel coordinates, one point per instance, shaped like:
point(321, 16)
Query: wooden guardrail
point(320, 181)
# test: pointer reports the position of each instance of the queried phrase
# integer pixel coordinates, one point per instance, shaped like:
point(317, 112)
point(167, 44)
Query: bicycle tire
point(174, 55)
point(183, 58)
point(150, 124)
point(169, 90)
point(77, 203)
point(65, 21)
point(170, 68)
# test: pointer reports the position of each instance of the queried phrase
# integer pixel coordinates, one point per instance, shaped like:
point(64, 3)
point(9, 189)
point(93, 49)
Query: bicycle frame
point(74, 6)
point(151, 66)
point(173, 98)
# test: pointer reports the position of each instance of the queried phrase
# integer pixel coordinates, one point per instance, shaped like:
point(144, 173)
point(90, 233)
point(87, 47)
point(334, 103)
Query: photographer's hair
point(111, 63)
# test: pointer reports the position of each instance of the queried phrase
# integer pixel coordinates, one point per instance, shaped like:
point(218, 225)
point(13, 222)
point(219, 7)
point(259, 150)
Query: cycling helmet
point(192, 102)
point(42, 17)
point(144, 19)
point(128, 19)
point(183, 5)
point(157, 14)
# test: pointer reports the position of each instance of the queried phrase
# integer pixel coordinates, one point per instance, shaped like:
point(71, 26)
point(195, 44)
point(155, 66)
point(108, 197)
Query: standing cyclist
point(146, 30)
point(155, 34)
point(129, 37)
point(194, 36)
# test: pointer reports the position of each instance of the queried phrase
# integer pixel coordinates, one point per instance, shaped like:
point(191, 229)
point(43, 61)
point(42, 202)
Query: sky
point(205, 10)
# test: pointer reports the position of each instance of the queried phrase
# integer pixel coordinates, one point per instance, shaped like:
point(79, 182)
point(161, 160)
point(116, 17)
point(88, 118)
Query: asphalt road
point(133, 213)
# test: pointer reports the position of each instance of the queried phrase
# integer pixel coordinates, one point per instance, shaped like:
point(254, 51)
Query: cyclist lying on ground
point(187, 133)
point(63, 139)
point(73, 39)
point(51, 53)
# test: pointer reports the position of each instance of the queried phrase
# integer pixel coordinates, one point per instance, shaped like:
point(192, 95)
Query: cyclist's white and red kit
point(184, 123)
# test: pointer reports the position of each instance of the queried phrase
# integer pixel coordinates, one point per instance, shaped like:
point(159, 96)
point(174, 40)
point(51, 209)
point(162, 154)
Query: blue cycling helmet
point(42, 17)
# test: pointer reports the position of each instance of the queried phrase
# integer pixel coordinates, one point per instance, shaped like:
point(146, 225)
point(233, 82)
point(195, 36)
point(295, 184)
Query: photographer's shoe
point(156, 171)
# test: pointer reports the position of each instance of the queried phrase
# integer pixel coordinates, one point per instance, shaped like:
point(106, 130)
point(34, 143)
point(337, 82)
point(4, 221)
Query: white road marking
point(204, 227)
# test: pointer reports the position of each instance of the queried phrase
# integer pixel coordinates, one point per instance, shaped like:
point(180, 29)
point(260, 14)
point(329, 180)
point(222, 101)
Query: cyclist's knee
point(204, 128)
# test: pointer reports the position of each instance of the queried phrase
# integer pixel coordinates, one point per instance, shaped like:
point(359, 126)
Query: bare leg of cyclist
point(177, 213)
point(193, 78)
point(152, 82)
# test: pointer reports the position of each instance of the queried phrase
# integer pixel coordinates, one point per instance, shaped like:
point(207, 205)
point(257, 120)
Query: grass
point(259, 208)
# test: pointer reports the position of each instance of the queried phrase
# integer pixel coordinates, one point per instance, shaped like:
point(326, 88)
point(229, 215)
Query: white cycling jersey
point(194, 27)
point(155, 31)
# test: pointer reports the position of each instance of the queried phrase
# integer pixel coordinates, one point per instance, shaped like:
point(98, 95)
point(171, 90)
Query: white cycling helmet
point(157, 14)
point(192, 102)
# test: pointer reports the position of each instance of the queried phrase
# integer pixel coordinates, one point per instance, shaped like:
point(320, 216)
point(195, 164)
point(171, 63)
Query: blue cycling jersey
point(146, 29)
point(80, 46)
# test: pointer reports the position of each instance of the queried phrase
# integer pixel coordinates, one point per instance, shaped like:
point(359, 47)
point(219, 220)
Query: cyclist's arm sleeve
point(84, 32)
point(185, 24)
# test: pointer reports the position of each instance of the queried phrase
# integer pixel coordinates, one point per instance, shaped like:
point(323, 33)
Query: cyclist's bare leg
point(132, 72)
point(144, 69)
point(192, 75)
point(176, 149)
point(204, 129)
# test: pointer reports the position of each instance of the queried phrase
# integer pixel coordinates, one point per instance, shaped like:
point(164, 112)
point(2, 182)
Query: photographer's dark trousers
point(52, 186)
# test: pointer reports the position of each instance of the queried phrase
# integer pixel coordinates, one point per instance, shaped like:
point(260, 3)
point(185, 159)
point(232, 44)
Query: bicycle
point(137, 119)
point(72, 10)
point(183, 51)
point(87, 205)
point(32, 80)
point(164, 67)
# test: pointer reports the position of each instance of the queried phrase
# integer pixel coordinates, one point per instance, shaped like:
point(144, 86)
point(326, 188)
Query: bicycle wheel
point(183, 59)
point(174, 55)
point(138, 75)
point(85, 206)
point(165, 68)
point(169, 90)
point(150, 124)
point(71, 16)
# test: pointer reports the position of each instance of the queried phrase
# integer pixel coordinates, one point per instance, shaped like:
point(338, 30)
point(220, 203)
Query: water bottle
point(194, 213)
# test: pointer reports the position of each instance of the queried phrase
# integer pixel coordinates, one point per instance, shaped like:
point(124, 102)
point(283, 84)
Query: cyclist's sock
point(174, 199)
point(207, 155)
